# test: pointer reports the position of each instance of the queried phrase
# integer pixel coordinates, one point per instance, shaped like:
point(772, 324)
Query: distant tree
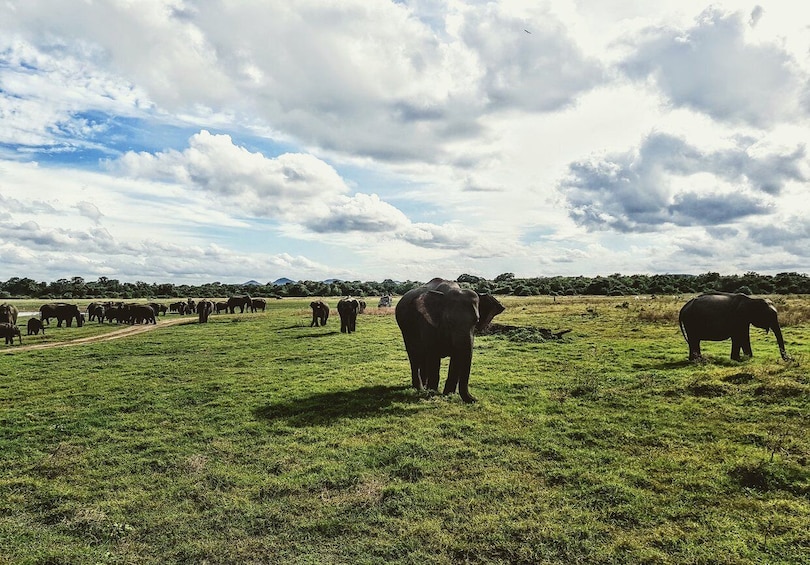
point(504, 277)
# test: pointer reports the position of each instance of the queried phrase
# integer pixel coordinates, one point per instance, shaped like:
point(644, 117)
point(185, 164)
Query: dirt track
point(125, 331)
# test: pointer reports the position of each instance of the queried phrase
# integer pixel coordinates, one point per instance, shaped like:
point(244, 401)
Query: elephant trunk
point(777, 332)
point(458, 374)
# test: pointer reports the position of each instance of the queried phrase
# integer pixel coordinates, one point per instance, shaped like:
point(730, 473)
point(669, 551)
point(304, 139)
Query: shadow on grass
point(327, 407)
point(319, 334)
point(673, 364)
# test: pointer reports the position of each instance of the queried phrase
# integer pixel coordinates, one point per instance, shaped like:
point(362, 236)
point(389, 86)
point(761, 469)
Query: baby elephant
point(35, 325)
point(320, 313)
point(8, 331)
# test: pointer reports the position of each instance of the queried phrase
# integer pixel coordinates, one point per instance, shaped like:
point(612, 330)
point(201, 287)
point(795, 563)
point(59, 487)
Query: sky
point(188, 142)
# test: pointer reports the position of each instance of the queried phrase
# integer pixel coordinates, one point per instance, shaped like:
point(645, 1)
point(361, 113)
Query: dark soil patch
point(528, 334)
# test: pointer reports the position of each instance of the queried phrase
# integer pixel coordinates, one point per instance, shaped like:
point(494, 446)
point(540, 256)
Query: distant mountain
point(282, 281)
point(252, 283)
point(330, 281)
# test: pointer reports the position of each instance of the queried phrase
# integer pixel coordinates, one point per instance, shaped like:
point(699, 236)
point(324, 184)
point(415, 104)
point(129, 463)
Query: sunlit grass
point(257, 439)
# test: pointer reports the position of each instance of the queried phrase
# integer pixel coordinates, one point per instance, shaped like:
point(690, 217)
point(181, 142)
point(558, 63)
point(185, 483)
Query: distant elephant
point(439, 319)
point(220, 307)
point(204, 309)
point(35, 326)
point(141, 314)
point(179, 307)
point(348, 309)
point(8, 331)
point(240, 301)
point(115, 313)
point(258, 304)
point(96, 310)
point(63, 312)
point(719, 316)
point(158, 308)
point(320, 313)
point(8, 313)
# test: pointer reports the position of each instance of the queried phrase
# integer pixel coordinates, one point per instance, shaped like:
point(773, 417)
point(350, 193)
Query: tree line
point(504, 284)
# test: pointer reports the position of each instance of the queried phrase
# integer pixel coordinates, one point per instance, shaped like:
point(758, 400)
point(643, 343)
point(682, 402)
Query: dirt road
point(124, 331)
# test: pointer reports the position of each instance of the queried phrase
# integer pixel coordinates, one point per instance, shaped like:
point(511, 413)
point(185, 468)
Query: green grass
point(257, 439)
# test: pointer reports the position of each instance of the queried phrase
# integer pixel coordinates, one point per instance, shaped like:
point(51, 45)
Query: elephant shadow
point(326, 408)
point(319, 334)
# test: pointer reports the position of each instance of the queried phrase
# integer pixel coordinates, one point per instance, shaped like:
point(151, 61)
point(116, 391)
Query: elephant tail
point(683, 328)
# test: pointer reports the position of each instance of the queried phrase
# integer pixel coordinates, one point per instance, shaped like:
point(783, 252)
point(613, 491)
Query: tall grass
point(257, 439)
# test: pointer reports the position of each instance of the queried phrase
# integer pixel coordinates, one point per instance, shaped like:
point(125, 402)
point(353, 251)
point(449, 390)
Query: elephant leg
point(458, 375)
point(736, 346)
point(429, 371)
point(694, 350)
point(746, 346)
point(413, 350)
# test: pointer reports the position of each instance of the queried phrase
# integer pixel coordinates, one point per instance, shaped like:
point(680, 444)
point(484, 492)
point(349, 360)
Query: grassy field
point(257, 439)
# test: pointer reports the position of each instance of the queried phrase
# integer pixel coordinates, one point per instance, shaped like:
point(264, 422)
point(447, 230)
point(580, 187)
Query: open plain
point(256, 438)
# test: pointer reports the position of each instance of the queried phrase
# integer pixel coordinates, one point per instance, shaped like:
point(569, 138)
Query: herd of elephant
point(438, 319)
point(119, 312)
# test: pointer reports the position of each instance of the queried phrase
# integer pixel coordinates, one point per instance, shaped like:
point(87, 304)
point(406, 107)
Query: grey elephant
point(257, 304)
point(240, 301)
point(63, 312)
point(320, 313)
point(204, 309)
point(437, 320)
point(35, 326)
point(96, 310)
point(159, 308)
point(8, 313)
point(220, 307)
point(8, 331)
point(719, 316)
point(347, 309)
point(179, 307)
point(141, 314)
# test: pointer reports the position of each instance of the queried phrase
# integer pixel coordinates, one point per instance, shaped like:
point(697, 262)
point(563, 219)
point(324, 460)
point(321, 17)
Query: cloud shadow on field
point(328, 407)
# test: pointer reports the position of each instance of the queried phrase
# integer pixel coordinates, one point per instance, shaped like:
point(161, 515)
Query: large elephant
point(320, 313)
point(8, 313)
point(240, 301)
point(348, 309)
point(63, 312)
point(439, 319)
point(8, 331)
point(719, 316)
point(257, 304)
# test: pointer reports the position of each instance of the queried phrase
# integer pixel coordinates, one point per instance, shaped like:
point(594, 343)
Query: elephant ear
point(488, 308)
point(431, 306)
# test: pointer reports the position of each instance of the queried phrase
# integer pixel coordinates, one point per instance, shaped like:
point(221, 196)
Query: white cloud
point(400, 139)
point(645, 189)
point(712, 68)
